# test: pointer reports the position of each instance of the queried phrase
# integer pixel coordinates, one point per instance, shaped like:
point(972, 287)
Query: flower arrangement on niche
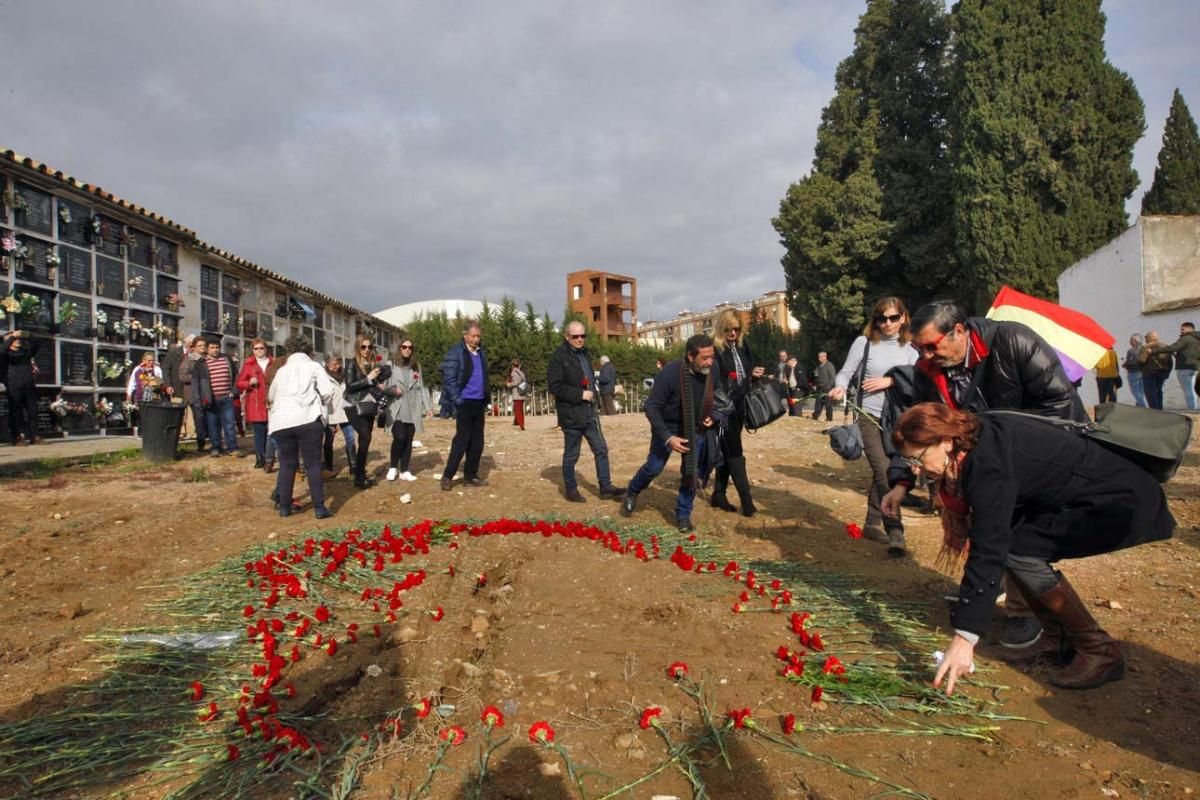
point(14, 200)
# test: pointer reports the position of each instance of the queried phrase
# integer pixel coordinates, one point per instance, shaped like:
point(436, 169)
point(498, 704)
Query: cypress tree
point(1042, 151)
point(874, 215)
point(1176, 187)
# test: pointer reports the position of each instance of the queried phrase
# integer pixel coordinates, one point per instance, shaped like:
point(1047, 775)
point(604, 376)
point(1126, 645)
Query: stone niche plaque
point(143, 335)
point(37, 214)
point(210, 281)
point(249, 324)
point(210, 316)
point(42, 317)
point(75, 272)
point(143, 248)
point(165, 287)
point(74, 224)
point(78, 364)
point(45, 359)
point(81, 326)
point(108, 240)
point(107, 318)
point(141, 291)
point(166, 256)
point(110, 278)
point(114, 360)
point(34, 268)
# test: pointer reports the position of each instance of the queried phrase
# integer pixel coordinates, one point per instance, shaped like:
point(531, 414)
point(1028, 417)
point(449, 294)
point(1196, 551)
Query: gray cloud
point(388, 152)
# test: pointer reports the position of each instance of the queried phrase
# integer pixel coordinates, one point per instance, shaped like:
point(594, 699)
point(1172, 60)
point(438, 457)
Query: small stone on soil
point(71, 610)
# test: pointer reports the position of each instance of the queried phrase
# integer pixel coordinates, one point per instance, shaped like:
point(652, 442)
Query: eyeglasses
point(915, 462)
point(576, 335)
point(406, 347)
point(882, 318)
point(366, 347)
point(930, 348)
point(733, 330)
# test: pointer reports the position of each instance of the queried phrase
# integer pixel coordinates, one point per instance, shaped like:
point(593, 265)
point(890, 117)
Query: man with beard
point(569, 376)
point(683, 415)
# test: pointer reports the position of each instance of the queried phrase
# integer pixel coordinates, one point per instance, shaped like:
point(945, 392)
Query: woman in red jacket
point(252, 384)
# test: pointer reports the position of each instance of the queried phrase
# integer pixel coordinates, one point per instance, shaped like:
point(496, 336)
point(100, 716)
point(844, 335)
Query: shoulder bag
point(765, 402)
point(846, 439)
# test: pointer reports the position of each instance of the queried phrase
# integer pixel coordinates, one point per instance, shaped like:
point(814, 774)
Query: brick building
point(769, 307)
point(606, 300)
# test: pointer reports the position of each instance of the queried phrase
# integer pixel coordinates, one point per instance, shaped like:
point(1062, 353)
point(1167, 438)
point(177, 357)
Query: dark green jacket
point(1186, 349)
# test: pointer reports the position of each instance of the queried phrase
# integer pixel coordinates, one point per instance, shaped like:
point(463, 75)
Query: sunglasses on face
point(735, 330)
point(893, 318)
point(406, 347)
point(366, 347)
point(931, 347)
point(576, 335)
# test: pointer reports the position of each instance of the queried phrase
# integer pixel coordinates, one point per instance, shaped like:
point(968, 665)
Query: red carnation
point(816, 694)
point(492, 717)
point(437, 615)
point(211, 714)
point(853, 531)
point(248, 611)
point(740, 718)
point(540, 732)
point(322, 614)
point(733, 375)
point(585, 383)
point(234, 753)
point(650, 717)
point(424, 707)
point(197, 692)
point(677, 670)
point(789, 724)
point(455, 735)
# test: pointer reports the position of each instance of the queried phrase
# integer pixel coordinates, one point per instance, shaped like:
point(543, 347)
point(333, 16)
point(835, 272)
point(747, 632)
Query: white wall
point(1107, 286)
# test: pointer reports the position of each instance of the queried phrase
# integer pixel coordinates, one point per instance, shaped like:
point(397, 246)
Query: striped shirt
point(218, 375)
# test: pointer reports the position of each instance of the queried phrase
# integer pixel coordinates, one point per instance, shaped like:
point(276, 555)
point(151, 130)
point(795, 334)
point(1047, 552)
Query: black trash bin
point(160, 430)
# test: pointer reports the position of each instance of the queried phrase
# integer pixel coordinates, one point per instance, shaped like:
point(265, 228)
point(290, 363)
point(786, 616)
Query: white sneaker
point(417, 443)
point(391, 476)
point(407, 476)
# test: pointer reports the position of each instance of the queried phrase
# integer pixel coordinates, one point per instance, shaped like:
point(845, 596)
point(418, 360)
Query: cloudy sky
point(387, 152)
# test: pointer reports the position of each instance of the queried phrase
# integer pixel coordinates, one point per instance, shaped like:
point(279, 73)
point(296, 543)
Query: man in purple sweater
point(465, 385)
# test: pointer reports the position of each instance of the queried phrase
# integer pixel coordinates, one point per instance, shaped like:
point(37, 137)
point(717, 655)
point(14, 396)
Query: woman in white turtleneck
point(885, 342)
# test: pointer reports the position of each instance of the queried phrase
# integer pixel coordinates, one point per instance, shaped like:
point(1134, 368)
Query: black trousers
point(823, 399)
point(468, 439)
point(293, 444)
point(731, 442)
point(363, 427)
point(22, 412)
point(403, 434)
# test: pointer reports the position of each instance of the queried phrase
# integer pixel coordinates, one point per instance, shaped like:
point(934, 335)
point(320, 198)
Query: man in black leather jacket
point(977, 364)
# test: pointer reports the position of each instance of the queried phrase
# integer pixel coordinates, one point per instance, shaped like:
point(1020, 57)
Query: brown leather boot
point(1052, 646)
point(1098, 658)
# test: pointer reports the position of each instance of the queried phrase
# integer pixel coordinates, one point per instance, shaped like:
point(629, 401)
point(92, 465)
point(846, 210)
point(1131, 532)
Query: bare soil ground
point(580, 636)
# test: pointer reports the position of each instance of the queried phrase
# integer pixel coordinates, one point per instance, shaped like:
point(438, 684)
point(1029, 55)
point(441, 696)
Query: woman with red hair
point(1019, 493)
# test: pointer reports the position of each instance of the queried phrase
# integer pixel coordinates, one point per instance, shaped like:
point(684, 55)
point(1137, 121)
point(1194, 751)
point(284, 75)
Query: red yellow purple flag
point(1078, 339)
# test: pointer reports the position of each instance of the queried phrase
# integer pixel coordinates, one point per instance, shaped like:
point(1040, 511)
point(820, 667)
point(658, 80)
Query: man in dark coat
point(465, 388)
point(683, 415)
point(824, 379)
point(606, 382)
point(1187, 358)
point(976, 364)
point(569, 376)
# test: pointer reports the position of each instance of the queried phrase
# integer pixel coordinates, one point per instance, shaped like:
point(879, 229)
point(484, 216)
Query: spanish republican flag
point(1078, 339)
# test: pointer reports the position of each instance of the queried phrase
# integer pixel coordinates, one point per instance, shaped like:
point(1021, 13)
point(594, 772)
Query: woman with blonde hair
point(1017, 494)
point(884, 344)
point(734, 368)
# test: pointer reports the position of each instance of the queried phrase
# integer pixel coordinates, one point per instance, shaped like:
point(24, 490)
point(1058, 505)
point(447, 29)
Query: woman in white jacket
point(298, 396)
point(336, 415)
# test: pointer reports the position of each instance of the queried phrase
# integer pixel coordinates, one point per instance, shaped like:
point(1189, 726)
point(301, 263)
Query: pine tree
point(1042, 146)
point(874, 215)
point(1176, 187)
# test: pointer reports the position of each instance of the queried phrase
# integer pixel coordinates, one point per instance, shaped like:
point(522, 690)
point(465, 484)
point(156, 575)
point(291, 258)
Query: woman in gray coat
point(408, 404)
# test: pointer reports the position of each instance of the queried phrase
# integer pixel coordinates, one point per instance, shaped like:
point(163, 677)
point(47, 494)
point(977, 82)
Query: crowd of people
point(925, 390)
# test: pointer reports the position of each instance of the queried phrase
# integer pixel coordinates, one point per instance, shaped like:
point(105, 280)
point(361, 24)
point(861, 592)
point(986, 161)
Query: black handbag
point(846, 439)
point(765, 402)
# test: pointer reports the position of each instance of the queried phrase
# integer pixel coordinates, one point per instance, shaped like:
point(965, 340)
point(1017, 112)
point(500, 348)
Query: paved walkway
point(70, 450)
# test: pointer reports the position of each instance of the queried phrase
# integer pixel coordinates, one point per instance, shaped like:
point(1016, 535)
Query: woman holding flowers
point(407, 405)
point(884, 344)
point(1018, 494)
point(734, 368)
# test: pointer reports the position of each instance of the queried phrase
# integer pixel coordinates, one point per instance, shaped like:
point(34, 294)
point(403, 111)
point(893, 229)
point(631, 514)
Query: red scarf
point(955, 514)
point(938, 375)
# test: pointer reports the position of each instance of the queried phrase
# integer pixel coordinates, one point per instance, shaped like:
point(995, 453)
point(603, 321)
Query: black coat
point(567, 382)
point(202, 391)
point(724, 367)
point(16, 369)
point(170, 368)
point(1037, 490)
point(357, 385)
point(1021, 371)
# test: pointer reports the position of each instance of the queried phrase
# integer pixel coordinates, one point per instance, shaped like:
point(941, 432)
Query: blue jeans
point(1135, 387)
point(222, 431)
point(264, 445)
point(1187, 382)
point(572, 441)
point(656, 461)
point(1152, 385)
